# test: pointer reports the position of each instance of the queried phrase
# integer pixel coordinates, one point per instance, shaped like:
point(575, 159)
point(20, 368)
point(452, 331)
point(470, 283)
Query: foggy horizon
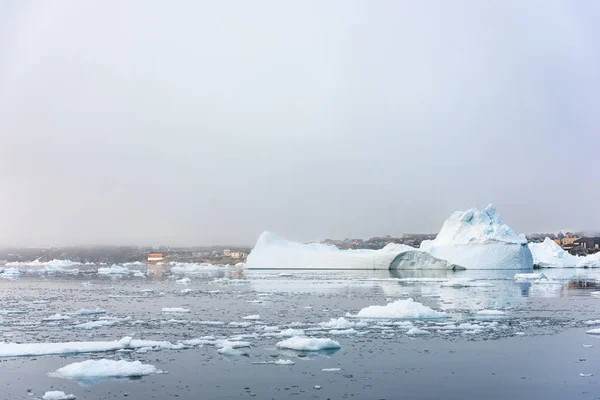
point(198, 124)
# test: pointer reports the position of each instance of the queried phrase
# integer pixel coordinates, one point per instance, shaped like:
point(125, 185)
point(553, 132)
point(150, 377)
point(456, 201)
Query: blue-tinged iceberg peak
point(479, 239)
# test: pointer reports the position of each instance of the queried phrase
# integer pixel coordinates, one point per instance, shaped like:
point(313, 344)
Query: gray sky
point(156, 122)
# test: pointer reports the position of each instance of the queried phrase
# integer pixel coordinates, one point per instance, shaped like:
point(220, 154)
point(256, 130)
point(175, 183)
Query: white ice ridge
point(44, 349)
point(480, 240)
point(406, 309)
point(104, 368)
point(549, 254)
point(274, 252)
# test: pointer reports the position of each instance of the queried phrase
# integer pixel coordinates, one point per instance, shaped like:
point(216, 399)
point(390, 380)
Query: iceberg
point(549, 254)
point(274, 252)
point(477, 239)
point(114, 270)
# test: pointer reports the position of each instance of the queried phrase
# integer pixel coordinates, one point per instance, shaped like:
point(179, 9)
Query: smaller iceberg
point(477, 239)
point(549, 254)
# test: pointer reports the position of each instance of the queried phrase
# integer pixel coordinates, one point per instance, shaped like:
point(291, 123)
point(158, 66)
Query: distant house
point(155, 257)
point(227, 253)
point(588, 242)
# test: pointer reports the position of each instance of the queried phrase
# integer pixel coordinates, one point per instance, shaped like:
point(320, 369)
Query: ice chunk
point(186, 291)
point(301, 343)
point(480, 240)
point(400, 309)
point(175, 310)
point(417, 332)
point(341, 323)
point(331, 369)
point(58, 395)
point(93, 369)
point(595, 331)
point(184, 281)
point(96, 324)
point(350, 331)
point(592, 322)
point(252, 317)
point(585, 375)
point(274, 252)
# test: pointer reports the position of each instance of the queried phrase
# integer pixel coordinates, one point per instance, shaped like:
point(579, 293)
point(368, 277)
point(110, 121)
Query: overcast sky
point(196, 123)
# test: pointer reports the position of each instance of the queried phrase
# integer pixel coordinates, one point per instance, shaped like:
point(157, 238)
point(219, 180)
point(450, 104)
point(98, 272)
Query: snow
point(301, 343)
point(43, 349)
point(175, 310)
point(274, 252)
point(114, 270)
point(477, 239)
point(104, 368)
point(57, 395)
point(549, 254)
point(417, 332)
point(399, 309)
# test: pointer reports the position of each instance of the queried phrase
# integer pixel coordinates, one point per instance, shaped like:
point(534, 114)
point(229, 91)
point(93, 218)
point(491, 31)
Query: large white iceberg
point(549, 254)
point(104, 368)
point(274, 252)
point(477, 239)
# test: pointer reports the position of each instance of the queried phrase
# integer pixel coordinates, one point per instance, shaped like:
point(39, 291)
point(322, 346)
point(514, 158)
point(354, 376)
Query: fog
point(197, 123)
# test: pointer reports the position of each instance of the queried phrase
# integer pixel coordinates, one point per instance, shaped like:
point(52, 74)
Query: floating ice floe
point(276, 362)
point(549, 254)
point(95, 311)
point(417, 332)
point(400, 309)
point(114, 270)
point(477, 239)
point(100, 323)
point(595, 331)
point(331, 369)
point(56, 317)
point(464, 282)
point(490, 312)
point(44, 349)
point(10, 274)
point(186, 291)
point(227, 281)
point(592, 322)
point(274, 252)
point(300, 343)
point(529, 276)
point(192, 268)
point(184, 281)
point(94, 369)
point(341, 323)
point(175, 310)
point(252, 317)
point(58, 395)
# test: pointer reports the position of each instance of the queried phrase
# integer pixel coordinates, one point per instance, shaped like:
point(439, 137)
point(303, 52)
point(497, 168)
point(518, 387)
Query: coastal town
point(576, 243)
